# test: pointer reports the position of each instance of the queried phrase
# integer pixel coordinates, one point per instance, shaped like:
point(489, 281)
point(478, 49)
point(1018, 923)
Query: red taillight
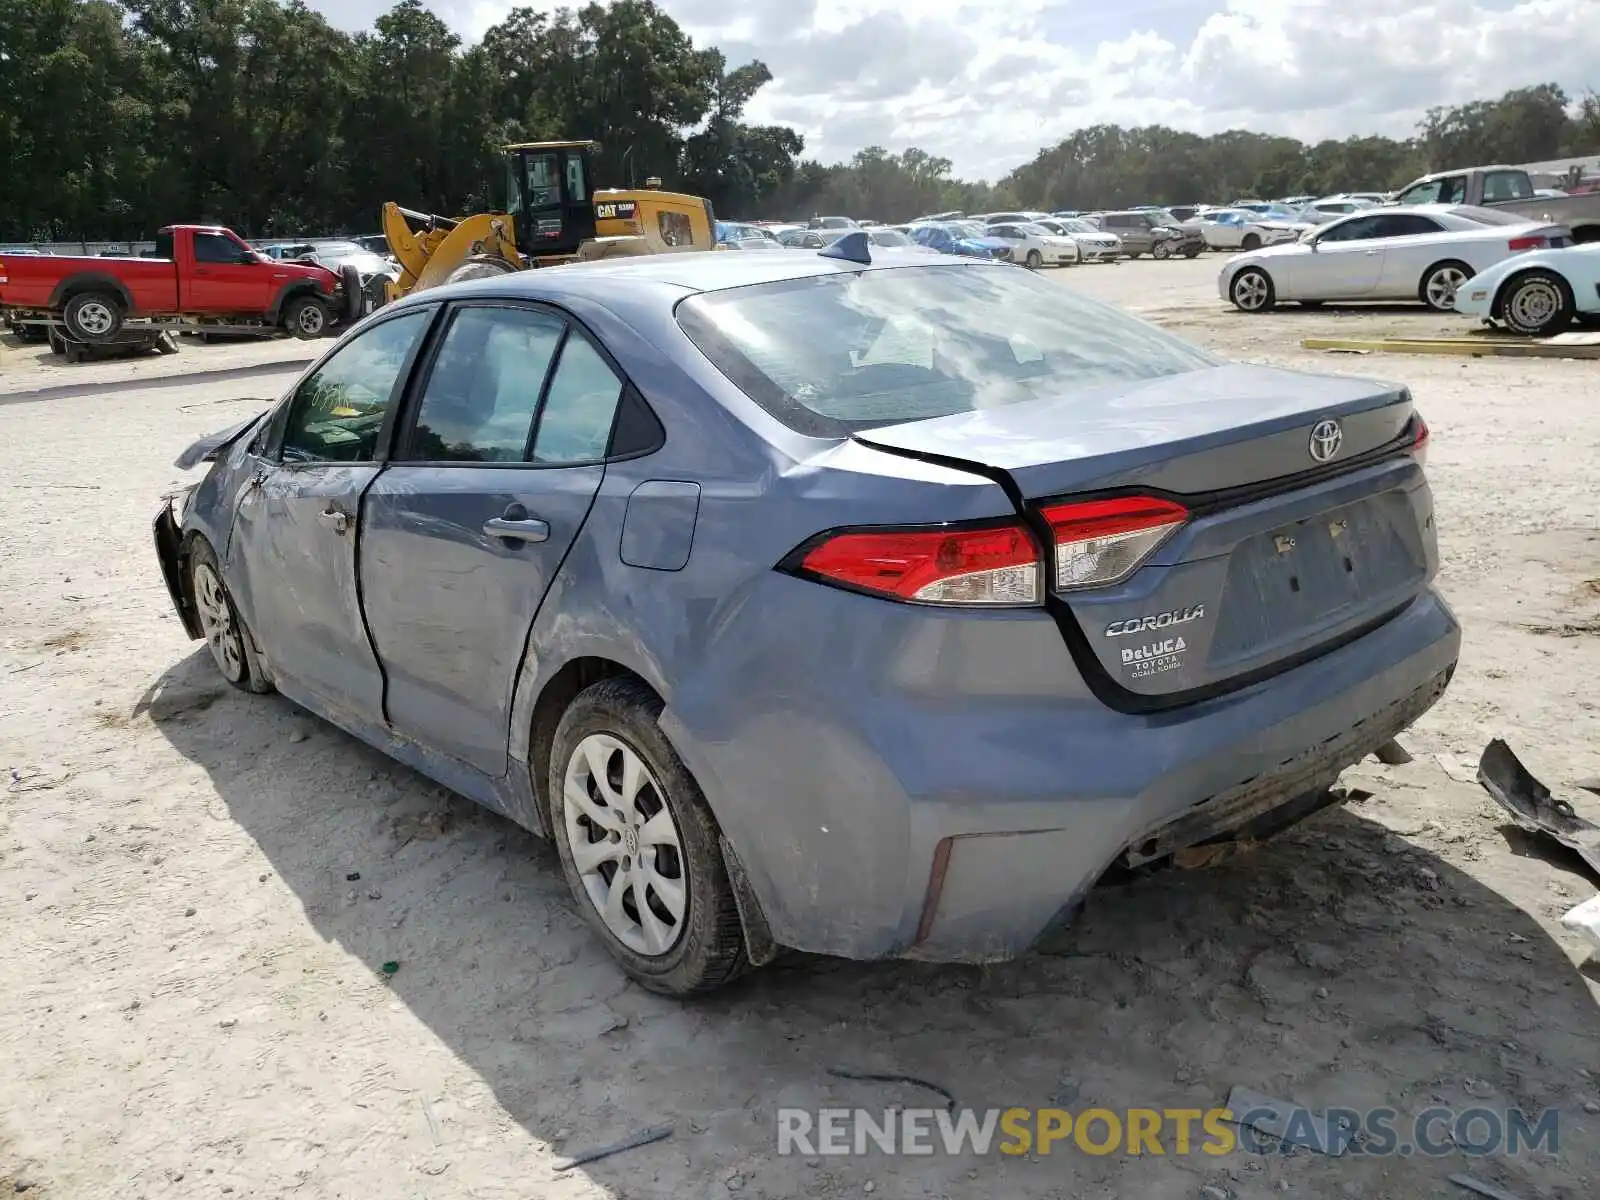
point(1419, 441)
point(1102, 541)
point(996, 565)
point(1534, 241)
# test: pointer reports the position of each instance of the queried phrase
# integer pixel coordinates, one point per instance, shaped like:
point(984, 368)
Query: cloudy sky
point(986, 83)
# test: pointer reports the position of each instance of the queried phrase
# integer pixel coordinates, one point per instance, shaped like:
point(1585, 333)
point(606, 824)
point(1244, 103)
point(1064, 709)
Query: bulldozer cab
point(549, 195)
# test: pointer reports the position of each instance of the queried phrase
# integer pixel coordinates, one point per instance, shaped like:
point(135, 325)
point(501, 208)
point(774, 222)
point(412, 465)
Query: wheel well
point(79, 284)
point(1498, 306)
point(561, 690)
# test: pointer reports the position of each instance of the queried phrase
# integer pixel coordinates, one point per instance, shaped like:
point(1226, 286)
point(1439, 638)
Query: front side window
point(543, 186)
point(834, 353)
point(483, 389)
point(1355, 229)
point(575, 422)
point(215, 248)
point(337, 412)
point(1423, 193)
point(577, 185)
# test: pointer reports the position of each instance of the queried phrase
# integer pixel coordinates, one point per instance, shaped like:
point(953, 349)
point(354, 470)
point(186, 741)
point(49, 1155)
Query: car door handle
point(200, 271)
point(527, 529)
point(1370, 253)
point(332, 516)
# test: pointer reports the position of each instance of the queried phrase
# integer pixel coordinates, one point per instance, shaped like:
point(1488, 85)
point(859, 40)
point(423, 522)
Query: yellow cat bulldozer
point(554, 215)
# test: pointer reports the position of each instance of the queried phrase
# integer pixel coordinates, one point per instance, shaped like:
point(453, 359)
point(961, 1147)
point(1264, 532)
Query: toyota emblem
point(1326, 437)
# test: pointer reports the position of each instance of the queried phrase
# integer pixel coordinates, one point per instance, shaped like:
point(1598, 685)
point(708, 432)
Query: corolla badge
point(1326, 438)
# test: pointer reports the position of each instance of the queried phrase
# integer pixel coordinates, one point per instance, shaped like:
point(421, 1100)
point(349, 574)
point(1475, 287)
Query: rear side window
point(1500, 186)
point(337, 412)
point(832, 353)
point(1404, 225)
point(575, 423)
point(481, 395)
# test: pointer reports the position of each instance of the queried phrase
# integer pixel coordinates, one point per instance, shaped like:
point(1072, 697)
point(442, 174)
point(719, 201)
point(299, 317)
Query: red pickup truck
point(201, 276)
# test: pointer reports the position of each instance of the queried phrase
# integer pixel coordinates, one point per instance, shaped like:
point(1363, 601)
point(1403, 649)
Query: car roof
point(666, 277)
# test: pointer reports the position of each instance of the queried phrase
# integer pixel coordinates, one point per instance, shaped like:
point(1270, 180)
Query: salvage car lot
point(198, 981)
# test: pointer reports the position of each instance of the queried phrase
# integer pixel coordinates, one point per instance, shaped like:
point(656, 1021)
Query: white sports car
point(1035, 246)
point(1536, 293)
point(1420, 252)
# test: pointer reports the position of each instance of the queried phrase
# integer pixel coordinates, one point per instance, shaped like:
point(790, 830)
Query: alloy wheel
point(1250, 291)
point(625, 845)
point(310, 320)
point(217, 623)
point(1442, 285)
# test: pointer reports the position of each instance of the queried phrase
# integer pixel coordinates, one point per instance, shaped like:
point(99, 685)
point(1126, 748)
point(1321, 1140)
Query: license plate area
point(1310, 576)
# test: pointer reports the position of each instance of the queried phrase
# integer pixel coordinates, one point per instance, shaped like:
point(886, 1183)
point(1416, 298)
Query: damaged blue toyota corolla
point(872, 608)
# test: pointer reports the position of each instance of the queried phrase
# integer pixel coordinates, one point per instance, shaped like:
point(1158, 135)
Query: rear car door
point(293, 546)
point(1346, 264)
point(228, 278)
point(494, 473)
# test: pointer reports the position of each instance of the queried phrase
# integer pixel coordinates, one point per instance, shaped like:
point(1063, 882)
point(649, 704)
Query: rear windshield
point(829, 354)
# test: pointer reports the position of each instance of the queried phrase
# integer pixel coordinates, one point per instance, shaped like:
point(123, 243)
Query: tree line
point(119, 116)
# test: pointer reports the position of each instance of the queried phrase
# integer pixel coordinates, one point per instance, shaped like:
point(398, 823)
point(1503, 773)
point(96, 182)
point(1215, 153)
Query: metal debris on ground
point(1290, 1123)
point(873, 1077)
point(1513, 787)
point(1392, 754)
point(657, 1133)
point(1482, 1188)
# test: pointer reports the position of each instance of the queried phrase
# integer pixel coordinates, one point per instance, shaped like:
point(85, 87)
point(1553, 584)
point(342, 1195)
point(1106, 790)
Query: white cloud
point(987, 83)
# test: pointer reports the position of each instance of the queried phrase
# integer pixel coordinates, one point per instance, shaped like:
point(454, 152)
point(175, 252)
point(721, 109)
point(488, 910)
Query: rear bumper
point(922, 818)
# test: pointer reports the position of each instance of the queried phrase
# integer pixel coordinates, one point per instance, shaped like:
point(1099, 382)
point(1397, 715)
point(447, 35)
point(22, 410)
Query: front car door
point(1346, 263)
point(462, 534)
point(1410, 245)
point(292, 553)
point(228, 277)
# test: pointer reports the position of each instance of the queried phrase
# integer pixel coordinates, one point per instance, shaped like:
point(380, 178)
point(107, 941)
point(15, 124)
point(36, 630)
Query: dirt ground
point(198, 889)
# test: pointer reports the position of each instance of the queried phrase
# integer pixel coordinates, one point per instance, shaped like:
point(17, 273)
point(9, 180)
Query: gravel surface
point(198, 889)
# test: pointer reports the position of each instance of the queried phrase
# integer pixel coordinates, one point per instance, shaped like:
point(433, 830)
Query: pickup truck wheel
point(93, 317)
point(1537, 303)
point(308, 317)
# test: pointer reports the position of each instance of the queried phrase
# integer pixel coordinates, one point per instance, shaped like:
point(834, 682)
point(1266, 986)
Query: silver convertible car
point(869, 602)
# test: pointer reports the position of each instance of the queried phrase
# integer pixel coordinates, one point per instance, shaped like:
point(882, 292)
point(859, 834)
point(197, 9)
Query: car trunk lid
point(1283, 554)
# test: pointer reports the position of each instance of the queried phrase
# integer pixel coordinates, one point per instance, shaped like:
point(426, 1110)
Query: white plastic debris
point(1585, 919)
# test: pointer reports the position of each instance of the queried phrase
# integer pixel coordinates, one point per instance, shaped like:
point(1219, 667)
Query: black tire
point(1251, 291)
point(236, 662)
point(1161, 250)
point(479, 268)
point(1536, 303)
point(709, 949)
point(355, 298)
point(1433, 288)
point(1193, 253)
point(1250, 242)
point(1135, 253)
point(1033, 261)
point(308, 317)
point(94, 318)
